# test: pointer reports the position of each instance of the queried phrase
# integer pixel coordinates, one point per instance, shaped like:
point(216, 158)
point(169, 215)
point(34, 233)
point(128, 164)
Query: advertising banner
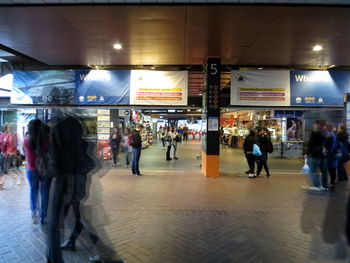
point(319, 88)
point(43, 87)
point(102, 87)
point(149, 87)
point(260, 88)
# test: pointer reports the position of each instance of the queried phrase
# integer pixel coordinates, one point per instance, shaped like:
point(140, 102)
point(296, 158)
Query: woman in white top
point(176, 139)
point(169, 142)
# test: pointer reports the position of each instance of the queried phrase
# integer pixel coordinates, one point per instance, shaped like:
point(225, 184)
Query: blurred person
point(316, 157)
point(162, 135)
point(343, 141)
point(115, 140)
point(169, 142)
point(12, 158)
point(332, 148)
point(248, 143)
point(176, 139)
point(2, 159)
point(136, 143)
point(185, 133)
point(35, 143)
point(266, 147)
point(126, 146)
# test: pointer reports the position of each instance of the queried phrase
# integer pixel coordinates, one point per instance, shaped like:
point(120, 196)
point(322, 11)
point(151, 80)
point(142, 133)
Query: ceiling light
point(188, 110)
point(118, 46)
point(331, 66)
point(260, 68)
point(153, 67)
point(317, 48)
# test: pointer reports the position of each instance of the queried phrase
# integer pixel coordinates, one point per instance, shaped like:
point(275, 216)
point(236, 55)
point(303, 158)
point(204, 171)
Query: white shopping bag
point(306, 168)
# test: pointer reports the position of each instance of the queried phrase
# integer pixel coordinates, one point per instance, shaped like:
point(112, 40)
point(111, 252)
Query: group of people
point(261, 141)
point(131, 143)
point(170, 138)
point(59, 160)
point(10, 157)
point(326, 152)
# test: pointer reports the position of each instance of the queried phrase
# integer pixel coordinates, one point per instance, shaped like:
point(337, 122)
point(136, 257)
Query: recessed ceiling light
point(331, 66)
point(153, 67)
point(260, 68)
point(317, 48)
point(118, 46)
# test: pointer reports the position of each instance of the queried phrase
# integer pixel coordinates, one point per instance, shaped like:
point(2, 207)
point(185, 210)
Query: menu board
point(149, 87)
point(103, 134)
point(260, 88)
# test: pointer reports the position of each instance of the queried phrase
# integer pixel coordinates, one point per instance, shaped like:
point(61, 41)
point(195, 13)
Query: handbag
point(305, 169)
point(256, 150)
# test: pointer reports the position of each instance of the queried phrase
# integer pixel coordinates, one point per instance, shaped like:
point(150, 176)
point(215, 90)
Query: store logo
point(320, 100)
point(310, 99)
point(298, 100)
point(314, 78)
point(81, 98)
point(102, 98)
point(91, 98)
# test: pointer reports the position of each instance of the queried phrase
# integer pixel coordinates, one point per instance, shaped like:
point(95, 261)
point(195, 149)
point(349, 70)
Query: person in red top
point(11, 155)
point(36, 141)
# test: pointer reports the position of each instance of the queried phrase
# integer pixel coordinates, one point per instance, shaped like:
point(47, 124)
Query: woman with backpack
point(35, 143)
point(266, 147)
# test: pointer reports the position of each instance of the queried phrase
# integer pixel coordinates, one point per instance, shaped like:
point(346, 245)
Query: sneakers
point(68, 245)
point(251, 175)
point(313, 188)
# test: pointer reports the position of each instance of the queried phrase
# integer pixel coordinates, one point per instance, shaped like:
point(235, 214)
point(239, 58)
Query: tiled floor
point(174, 214)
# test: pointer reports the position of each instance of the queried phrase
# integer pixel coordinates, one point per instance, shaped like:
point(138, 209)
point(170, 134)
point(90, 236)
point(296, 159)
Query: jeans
point(318, 164)
point(36, 181)
point(115, 151)
point(127, 155)
point(168, 152)
point(263, 163)
point(136, 154)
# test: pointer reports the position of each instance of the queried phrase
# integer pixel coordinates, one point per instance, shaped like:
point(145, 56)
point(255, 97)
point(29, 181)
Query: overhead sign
point(43, 87)
point(149, 87)
point(319, 88)
point(102, 87)
point(260, 88)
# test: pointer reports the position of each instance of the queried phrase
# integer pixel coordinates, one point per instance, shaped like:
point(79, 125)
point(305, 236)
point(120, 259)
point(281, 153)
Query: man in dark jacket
point(249, 141)
point(316, 157)
point(136, 143)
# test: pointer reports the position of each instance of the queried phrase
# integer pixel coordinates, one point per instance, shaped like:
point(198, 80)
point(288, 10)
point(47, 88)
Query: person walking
point(343, 141)
point(248, 143)
point(136, 143)
point(162, 135)
point(185, 133)
point(169, 142)
point(266, 147)
point(176, 139)
point(115, 140)
point(126, 146)
point(316, 157)
point(35, 143)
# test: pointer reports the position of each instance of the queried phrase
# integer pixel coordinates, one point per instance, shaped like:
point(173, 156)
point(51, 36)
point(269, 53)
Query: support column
point(211, 119)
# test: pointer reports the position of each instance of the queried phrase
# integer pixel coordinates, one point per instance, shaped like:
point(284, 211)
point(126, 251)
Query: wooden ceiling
point(162, 35)
point(170, 35)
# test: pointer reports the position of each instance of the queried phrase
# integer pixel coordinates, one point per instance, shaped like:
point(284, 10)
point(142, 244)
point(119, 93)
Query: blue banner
point(102, 87)
point(319, 88)
point(43, 87)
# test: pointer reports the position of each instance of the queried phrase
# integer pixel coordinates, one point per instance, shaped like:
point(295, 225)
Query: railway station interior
point(213, 72)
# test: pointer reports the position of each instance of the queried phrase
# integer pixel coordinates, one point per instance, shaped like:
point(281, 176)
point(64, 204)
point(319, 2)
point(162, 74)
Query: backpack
point(269, 147)
point(177, 138)
point(43, 166)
